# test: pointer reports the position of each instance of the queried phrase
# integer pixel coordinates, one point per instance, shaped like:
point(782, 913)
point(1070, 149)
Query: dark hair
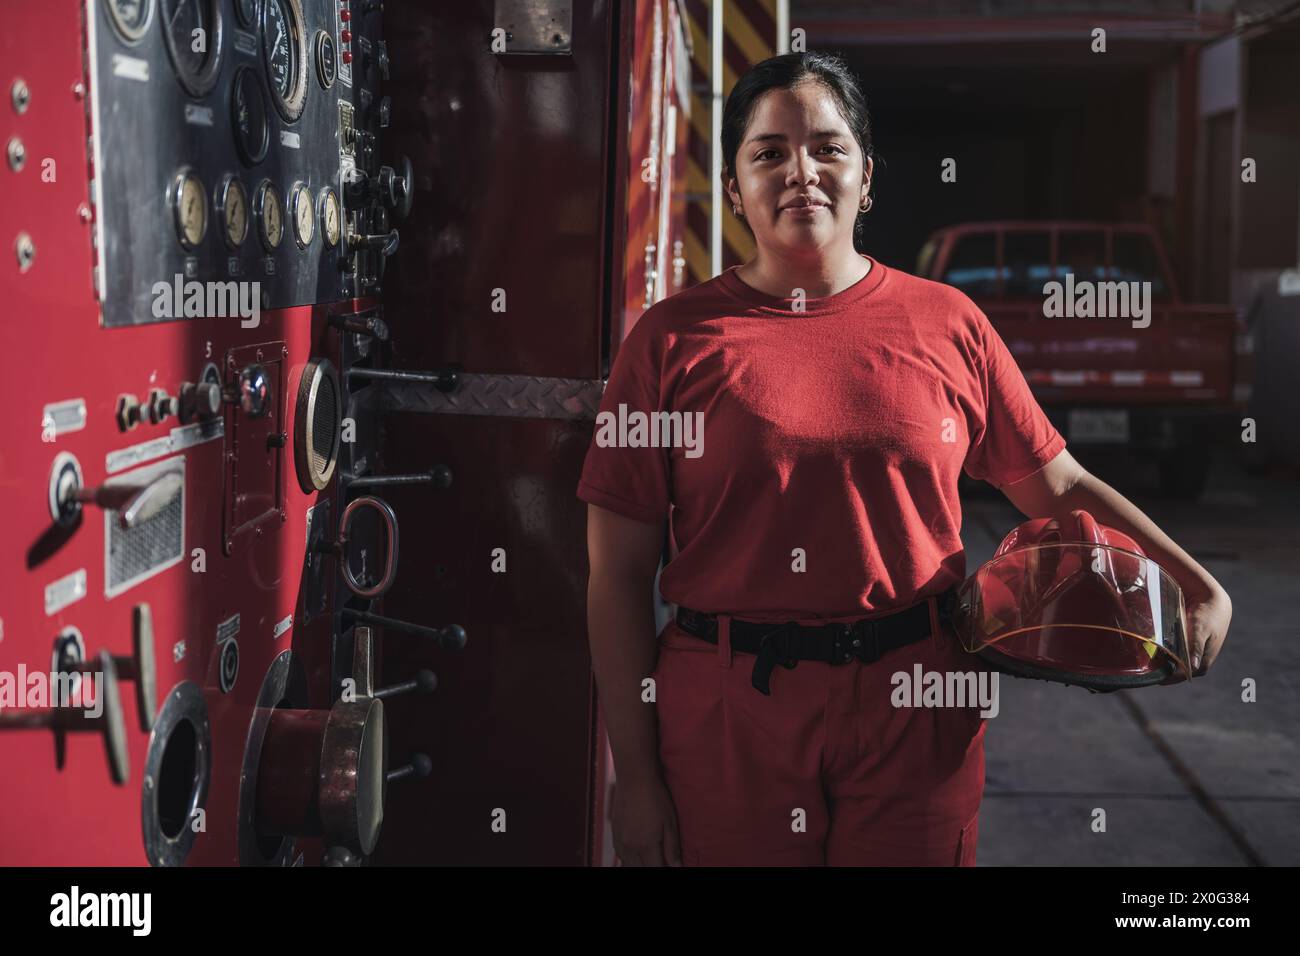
point(782, 73)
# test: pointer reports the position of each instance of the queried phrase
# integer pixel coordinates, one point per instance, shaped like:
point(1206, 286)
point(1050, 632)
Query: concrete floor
point(1188, 774)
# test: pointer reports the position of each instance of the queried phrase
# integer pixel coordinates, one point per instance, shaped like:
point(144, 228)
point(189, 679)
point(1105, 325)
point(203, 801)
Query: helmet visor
point(1083, 609)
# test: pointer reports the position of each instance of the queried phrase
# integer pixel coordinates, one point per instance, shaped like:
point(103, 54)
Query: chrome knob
point(252, 392)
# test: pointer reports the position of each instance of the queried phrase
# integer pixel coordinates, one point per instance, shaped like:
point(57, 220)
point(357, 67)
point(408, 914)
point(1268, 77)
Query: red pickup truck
point(1113, 361)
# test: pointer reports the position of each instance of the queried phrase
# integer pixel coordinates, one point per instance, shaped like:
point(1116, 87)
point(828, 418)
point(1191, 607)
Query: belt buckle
point(846, 643)
point(858, 640)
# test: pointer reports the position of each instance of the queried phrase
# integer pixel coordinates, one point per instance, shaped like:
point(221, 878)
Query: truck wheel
point(1183, 474)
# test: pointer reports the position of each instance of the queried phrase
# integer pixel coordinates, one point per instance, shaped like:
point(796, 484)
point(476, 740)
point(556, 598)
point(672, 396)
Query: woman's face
point(798, 146)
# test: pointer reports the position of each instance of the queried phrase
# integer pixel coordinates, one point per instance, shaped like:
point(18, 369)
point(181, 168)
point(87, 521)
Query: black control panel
point(234, 141)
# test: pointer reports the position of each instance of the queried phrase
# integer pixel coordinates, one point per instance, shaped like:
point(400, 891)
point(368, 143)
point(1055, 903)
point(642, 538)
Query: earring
point(737, 213)
point(866, 207)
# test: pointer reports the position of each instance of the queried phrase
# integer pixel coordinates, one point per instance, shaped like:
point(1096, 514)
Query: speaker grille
point(316, 426)
point(324, 426)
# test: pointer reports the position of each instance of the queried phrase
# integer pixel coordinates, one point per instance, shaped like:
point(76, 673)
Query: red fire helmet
point(1076, 602)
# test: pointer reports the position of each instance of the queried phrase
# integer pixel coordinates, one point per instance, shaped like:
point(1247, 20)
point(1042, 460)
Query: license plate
point(1098, 426)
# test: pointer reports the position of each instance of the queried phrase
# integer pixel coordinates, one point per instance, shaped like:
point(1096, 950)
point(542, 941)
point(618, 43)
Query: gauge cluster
point(225, 134)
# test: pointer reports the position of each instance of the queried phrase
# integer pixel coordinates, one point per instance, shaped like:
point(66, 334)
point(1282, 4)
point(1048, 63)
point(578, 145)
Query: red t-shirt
point(839, 430)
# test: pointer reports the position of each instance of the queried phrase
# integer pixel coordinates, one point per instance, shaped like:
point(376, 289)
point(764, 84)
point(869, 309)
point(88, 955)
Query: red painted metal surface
point(57, 351)
point(546, 203)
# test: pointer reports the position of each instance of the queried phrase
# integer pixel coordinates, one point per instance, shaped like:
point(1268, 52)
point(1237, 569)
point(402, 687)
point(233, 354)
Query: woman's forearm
point(621, 629)
point(1109, 507)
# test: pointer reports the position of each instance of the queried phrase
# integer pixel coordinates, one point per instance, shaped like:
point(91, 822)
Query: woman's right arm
point(624, 556)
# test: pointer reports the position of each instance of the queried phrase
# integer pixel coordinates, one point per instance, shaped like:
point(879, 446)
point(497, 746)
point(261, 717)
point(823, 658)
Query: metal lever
point(147, 502)
point(451, 636)
point(444, 380)
point(419, 767)
point(140, 666)
point(385, 244)
point(135, 503)
point(109, 724)
point(424, 682)
point(371, 325)
point(439, 476)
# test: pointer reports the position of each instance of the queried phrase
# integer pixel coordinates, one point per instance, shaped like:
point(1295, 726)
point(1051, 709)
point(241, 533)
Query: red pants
point(826, 771)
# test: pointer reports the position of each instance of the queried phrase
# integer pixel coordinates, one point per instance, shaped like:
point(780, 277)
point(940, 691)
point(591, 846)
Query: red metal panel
point(515, 191)
point(58, 352)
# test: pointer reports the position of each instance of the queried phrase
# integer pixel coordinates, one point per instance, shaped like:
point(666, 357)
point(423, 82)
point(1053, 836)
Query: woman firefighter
point(815, 522)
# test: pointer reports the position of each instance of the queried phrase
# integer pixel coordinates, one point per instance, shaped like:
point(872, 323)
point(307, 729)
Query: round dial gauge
point(248, 117)
point(190, 203)
point(326, 60)
point(270, 216)
point(131, 17)
point(303, 215)
point(246, 10)
point(232, 206)
point(192, 30)
point(331, 217)
point(284, 50)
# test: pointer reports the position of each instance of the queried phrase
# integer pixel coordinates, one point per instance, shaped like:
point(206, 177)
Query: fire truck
point(309, 308)
point(1158, 377)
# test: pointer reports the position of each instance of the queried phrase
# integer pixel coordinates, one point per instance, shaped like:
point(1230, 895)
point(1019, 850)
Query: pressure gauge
point(331, 217)
point(131, 17)
point(190, 207)
point(284, 51)
point(232, 208)
point(248, 111)
point(192, 32)
point(303, 214)
point(270, 216)
point(326, 60)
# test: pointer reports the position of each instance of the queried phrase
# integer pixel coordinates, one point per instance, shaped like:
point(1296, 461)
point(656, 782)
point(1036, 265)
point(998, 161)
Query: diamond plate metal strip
point(515, 396)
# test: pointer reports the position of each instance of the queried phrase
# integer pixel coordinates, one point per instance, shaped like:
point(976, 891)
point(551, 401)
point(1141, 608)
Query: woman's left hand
point(1209, 611)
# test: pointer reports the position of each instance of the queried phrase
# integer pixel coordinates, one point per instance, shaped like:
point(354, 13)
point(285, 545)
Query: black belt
point(789, 643)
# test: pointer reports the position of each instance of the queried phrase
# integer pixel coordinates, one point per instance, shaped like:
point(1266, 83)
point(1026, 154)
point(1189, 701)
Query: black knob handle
point(395, 187)
point(340, 856)
point(199, 400)
point(424, 682)
point(357, 188)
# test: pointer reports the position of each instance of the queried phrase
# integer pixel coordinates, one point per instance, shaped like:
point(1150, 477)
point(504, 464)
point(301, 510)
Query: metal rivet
point(20, 95)
point(17, 154)
point(26, 251)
